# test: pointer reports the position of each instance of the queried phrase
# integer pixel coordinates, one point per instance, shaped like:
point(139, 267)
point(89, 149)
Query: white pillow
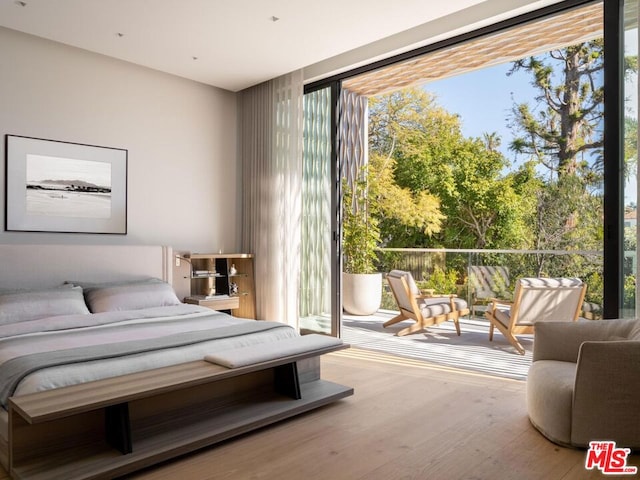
point(26, 305)
point(131, 295)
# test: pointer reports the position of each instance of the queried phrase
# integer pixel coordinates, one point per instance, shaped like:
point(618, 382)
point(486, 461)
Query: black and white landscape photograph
point(68, 187)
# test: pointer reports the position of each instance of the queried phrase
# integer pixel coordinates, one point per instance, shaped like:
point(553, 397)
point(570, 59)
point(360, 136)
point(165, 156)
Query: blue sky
point(484, 98)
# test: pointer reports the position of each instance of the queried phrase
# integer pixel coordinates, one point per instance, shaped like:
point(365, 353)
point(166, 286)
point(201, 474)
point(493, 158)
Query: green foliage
point(361, 233)
point(563, 133)
point(436, 178)
point(376, 208)
point(569, 126)
point(630, 146)
point(399, 207)
point(440, 281)
point(429, 186)
point(595, 288)
point(630, 239)
point(629, 300)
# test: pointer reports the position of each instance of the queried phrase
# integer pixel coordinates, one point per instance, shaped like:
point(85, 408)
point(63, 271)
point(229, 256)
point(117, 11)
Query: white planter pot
point(361, 293)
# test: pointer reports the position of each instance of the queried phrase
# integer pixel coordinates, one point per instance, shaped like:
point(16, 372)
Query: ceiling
point(233, 44)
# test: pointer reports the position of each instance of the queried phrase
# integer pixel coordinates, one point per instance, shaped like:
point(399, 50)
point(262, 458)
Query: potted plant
point(361, 284)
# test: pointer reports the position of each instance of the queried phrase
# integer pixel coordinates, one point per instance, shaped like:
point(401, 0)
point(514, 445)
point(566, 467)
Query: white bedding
point(70, 374)
point(73, 373)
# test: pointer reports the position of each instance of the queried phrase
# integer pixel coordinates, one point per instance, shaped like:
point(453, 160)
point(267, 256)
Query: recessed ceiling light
point(20, 3)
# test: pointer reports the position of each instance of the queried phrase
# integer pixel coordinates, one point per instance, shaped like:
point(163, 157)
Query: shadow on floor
point(440, 345)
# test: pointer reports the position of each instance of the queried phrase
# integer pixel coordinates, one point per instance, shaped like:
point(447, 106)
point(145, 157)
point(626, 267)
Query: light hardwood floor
point(407, 420)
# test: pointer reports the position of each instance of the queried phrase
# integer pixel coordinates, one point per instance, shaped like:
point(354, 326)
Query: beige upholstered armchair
point(584, 382)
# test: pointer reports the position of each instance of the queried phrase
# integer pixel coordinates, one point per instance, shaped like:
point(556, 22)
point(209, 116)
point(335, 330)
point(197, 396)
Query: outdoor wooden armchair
point(536, 300)
point(487, 282)
point(425, 309)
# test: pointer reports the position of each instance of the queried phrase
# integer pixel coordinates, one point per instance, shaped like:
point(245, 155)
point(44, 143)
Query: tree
point(630, 146)
point(403, 122)
point(361, 233)
point(482, 204)
point(426, 156)
point(492, 141)
point(400, 206)
point(569, 127)
point(565, 136)
point(400, 124)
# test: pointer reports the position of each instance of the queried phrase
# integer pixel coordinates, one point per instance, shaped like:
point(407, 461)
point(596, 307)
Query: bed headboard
point(36, 266)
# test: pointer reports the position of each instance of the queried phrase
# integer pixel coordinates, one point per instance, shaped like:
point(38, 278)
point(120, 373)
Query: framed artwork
point(54, 186)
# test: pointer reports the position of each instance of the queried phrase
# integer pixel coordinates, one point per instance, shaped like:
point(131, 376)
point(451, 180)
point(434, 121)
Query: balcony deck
point(439, 345)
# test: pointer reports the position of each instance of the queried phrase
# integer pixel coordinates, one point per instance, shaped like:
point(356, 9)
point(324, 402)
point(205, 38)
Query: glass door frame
point(613, 144)
point(614, 158)
point(336, 218)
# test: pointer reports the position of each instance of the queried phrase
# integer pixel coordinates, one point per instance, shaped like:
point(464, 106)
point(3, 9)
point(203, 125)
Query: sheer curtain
point(271, 154)
point(315, 277)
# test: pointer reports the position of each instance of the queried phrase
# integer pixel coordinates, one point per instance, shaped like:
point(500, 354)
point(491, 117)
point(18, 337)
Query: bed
point(106, 316)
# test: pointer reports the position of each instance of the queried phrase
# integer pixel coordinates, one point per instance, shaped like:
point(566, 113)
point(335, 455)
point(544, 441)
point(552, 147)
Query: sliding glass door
point(616, 226)
point(316, 292)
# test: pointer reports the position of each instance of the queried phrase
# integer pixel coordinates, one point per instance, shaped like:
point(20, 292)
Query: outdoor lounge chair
point(591, 311)
point(425, 310)
point(536, 300)
point(486, 283)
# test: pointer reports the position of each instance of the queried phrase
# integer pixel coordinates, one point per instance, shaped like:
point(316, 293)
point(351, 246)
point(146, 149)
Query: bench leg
point(286, 380)
point(118, 427)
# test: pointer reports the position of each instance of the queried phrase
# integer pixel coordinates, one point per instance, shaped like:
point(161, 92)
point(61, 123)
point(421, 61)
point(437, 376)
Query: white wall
point(183, 169)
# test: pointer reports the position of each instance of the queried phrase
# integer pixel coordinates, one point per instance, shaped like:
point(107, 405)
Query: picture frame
point(64, 187)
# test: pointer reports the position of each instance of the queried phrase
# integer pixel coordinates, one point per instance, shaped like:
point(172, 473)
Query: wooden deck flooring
point(440, 345)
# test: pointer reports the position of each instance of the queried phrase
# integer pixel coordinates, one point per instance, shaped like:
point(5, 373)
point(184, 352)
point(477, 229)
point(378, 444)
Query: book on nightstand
point(208, 297)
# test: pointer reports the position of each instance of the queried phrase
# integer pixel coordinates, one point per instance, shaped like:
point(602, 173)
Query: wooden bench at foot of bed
point(111, 427)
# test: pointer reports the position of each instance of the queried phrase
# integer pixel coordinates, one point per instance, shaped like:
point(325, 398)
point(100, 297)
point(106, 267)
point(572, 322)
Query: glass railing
point(478, 275)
